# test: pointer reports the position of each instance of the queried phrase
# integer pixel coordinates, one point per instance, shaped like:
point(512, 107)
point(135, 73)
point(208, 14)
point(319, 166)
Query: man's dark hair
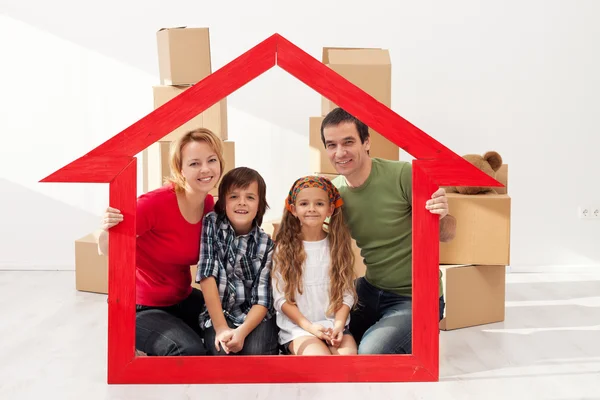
point(241, 178)
point(338, 116)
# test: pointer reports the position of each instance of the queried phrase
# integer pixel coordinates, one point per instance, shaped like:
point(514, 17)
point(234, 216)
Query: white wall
point(519, 77)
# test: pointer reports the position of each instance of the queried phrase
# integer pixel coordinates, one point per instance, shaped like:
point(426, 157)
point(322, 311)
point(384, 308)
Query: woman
point(168, 227)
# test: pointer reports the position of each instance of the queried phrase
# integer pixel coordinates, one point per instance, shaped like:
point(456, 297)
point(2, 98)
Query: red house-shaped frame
point(114, 162)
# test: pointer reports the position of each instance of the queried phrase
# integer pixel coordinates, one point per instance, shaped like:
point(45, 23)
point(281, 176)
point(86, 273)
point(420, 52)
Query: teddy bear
point(490, 163)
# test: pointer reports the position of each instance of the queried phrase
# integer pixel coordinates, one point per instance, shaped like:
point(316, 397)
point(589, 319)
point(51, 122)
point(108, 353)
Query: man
point(377, 196)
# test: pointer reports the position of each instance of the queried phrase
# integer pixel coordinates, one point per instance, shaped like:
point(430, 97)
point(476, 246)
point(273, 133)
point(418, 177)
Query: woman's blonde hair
point(289, 257)
point(196, 135)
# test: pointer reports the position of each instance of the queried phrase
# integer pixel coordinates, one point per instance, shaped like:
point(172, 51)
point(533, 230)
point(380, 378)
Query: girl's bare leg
point(310, 346)
point(347, 347)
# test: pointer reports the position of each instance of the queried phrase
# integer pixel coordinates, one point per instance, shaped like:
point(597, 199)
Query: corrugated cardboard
point(482, 230)
point(272, 227)
point(183, 55)
point(213, 118)
point(91, 268)
point(474, 295)
point(319, 161)
point(368, 68)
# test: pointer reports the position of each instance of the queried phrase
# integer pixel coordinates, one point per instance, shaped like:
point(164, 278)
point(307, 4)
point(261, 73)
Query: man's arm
point(447, 228)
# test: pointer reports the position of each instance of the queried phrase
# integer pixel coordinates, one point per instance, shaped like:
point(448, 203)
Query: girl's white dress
point(314, 300)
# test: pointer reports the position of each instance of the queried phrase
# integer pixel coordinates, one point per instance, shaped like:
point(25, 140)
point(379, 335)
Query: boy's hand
point(223, 337)
point(236, 343)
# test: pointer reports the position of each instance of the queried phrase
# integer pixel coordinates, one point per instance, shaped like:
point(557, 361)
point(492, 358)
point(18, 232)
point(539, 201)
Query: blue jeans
point(172, 330)
point(261, 341)
point(381, 323)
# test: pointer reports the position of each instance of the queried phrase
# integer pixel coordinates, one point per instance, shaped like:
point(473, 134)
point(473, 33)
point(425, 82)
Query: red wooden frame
point(114, 162)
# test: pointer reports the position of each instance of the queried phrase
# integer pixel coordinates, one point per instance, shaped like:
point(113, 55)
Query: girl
point(168, 224)
point(234, 269)
point(313, 272)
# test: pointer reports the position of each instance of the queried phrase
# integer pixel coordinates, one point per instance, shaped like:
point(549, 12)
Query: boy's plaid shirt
point(241, 266)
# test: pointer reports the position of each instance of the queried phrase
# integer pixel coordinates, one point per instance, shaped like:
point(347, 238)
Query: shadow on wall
point(37, 231)
point(275, 96)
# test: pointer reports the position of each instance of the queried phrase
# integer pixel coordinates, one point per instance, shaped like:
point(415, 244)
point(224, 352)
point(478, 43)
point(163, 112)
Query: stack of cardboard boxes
point(474, 263)
point(184, 59)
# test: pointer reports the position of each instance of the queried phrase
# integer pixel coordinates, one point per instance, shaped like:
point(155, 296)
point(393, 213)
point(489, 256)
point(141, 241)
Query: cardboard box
point(474, 295)
point(91, 268)
point(319, 161)
point(272, 227)
point(368, 68)
point(183, 55)
point(213, 118)
point(482, 230)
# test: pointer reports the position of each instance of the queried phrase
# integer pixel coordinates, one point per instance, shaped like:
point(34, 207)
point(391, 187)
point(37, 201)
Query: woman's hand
point(112, 217)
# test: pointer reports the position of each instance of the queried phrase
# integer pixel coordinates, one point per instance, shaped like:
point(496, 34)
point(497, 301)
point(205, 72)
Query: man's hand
point(438, 203)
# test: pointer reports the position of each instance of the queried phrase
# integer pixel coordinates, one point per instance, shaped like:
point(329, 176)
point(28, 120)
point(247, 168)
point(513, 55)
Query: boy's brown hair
point(241, 178)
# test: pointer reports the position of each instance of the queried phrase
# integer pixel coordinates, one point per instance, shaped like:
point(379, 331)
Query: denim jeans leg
point(159, 333)
point(172, 330)
point(262, 340)
point(189, 310)
point(364, 315)
point(391, 334)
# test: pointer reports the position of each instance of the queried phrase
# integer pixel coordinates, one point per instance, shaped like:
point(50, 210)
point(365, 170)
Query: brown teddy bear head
point(490, 163)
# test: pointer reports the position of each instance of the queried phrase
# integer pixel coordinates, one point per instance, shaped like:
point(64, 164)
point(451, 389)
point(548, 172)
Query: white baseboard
point(35, 267)
point(586, 268)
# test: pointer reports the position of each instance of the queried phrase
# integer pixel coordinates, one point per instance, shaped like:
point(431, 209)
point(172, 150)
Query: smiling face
point(347, 154)
point(312, 207)
point(200, 166)
point(241, 207)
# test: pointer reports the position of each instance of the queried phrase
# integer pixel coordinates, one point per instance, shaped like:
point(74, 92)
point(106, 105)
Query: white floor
point(53, 343)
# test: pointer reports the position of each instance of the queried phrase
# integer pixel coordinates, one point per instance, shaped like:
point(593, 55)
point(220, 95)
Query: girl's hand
point(336, 336)
point(320, 331)
point(112, 217)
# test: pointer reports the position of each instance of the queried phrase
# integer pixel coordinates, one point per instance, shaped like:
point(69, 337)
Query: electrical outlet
point(584, 212)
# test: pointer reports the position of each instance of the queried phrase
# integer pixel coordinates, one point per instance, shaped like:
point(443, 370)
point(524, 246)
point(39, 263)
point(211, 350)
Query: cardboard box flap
point(358, 57)
point(176, 27)
point(326, 50)
point(91, 237)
